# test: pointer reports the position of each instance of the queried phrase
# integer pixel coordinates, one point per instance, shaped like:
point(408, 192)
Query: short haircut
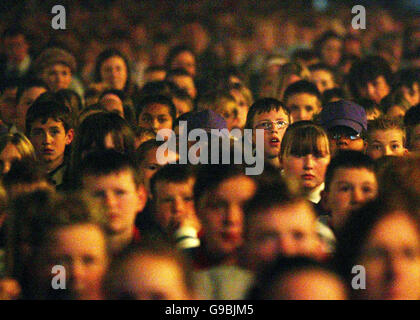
point(216, 100)
point(106, 162)
point(348, 159)
point(306, 55)
point(160, 99)
point(175, 173)
point(174, 52)
point(329, 94)
point(119, 93)
point(385, 123)
point(262, 106)
point(369, 105)
point(209, 177)
point(44, 110)
point(327, 35)
point(324, 67)
point(28, 84)
point(302, 86)
point(304, 137)
point(411, 120)
point(145, 147)
point(368, 70)
point(407, 77)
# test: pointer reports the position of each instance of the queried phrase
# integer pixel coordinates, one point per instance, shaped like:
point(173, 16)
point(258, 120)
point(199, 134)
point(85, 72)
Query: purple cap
point(344, 113)
point(207, 120)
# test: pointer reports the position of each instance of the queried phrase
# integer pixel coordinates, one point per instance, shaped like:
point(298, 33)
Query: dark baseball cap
point(343, 113)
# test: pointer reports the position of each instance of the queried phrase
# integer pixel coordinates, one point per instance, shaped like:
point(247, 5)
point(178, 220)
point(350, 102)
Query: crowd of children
point(85, 184)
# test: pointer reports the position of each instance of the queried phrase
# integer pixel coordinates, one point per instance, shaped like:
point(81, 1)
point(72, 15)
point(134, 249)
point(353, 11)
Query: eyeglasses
point(269, 125)
point(338, 136)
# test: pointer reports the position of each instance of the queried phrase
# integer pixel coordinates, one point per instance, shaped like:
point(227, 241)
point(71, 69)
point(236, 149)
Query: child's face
point(221, 214)
point(148, 277)
point(303, 106)
point(114, 73)
point(181, 106)
point(396, 112)
point(156, 116)
point(273, 136)
point(186, 83)
point(375, 90)
point(288, 230)
point(50, 140)
point(309, 170)
point(81, 249)
point(345, 138)
point(391, 257)
point(372, 115)
point(119, 197)
point(57, 76)
point(386, 143)
point(174, 204)
point(412, 95)
point(323, 80)
point(349, 189)
point(243, 107)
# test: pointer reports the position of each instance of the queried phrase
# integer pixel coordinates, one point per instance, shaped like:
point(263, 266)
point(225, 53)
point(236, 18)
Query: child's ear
point(324, 200)
point(69, 136)
point(142, 196)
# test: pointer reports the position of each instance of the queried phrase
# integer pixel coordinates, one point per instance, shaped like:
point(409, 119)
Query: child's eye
point(344, 188)
point(395, 146)
point(162, 120)
point(309, 109)
point(152, 167)
point(376, 147)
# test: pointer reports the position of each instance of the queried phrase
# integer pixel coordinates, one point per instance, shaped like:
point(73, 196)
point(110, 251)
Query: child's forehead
point(353, 174)
point(156, 108)
point(49, 122)
point(187, 183)
point(270, 115)
point(387, 134)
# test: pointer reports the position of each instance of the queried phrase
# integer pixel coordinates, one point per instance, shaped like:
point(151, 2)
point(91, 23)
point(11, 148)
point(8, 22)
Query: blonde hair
point(22, 144)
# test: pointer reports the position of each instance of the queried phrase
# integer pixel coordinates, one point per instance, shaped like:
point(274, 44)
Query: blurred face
point(181, 106)
point(156, 116)
point(113, 103)
point(376, 90)
point(9, 154)
point(415, 139)
point(114, 72)
point(57, 76)
point(412, 95)
point(156, 75)
point(303, 106)
point(243, 107)
point(186, 83)
point(119, 197)
point(391, 257)
point(25, 101)
point(16, 48)
point(221, 215)
point(386, 143)
point(8, 105)
point(331, 52)
point(282, 230)
point(274, 124)
point(349, 189)
point(309, 285)
point(345, 138)
point(149, 277)
point(81, 249)
point(174, 203)
point(50, 140)
point(396, 112)
point(323, 80)
point(372, 115)
point(185, 60)
point(309, 169)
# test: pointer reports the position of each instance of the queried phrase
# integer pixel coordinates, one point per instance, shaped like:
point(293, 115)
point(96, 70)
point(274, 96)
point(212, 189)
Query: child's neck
point(119, 241)
point(275, 162)
point(51, 166)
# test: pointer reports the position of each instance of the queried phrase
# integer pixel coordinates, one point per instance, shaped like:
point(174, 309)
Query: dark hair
point(324, 67)
point(333, 93)
point(44, 110)
point(28, 84)
point(411, 120)
point(106, 162)
point(348, 159)
point(407, 78)
point(302, 86)
point(176, 173)
point(261, 106)
point(319, 43)
point(368, 70)
point(72, 100)
point(304, 55)
point(174, 52)
point(177, 72)
point(279, 270)
point(14, 31)
point(161, 99)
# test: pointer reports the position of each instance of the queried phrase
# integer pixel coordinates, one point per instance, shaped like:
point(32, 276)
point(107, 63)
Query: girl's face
point(308, 169)
point(114, 72)
point(156, 116)
point(391, 258)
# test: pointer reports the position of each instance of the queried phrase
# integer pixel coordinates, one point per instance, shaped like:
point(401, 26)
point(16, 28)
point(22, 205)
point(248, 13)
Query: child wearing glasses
point(270, 115)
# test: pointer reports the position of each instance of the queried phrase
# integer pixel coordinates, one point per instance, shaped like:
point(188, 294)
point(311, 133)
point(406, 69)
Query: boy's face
point(273, 136)
point(81, 249)
point(303, 106)
point(386, 143)
point(181, 106)
point(284, 229)
point(186, 83)
point(57, 76)
point(119, 197)
point(345, 138)
point(375, 90)
point(221, 214)
point(114, 73)
point(25, 101)
point(349, 189)
point(309, 170)
point(50, 140)
point(174, 204)
point(412, 95)
point(323, 80)
point(156, 116)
